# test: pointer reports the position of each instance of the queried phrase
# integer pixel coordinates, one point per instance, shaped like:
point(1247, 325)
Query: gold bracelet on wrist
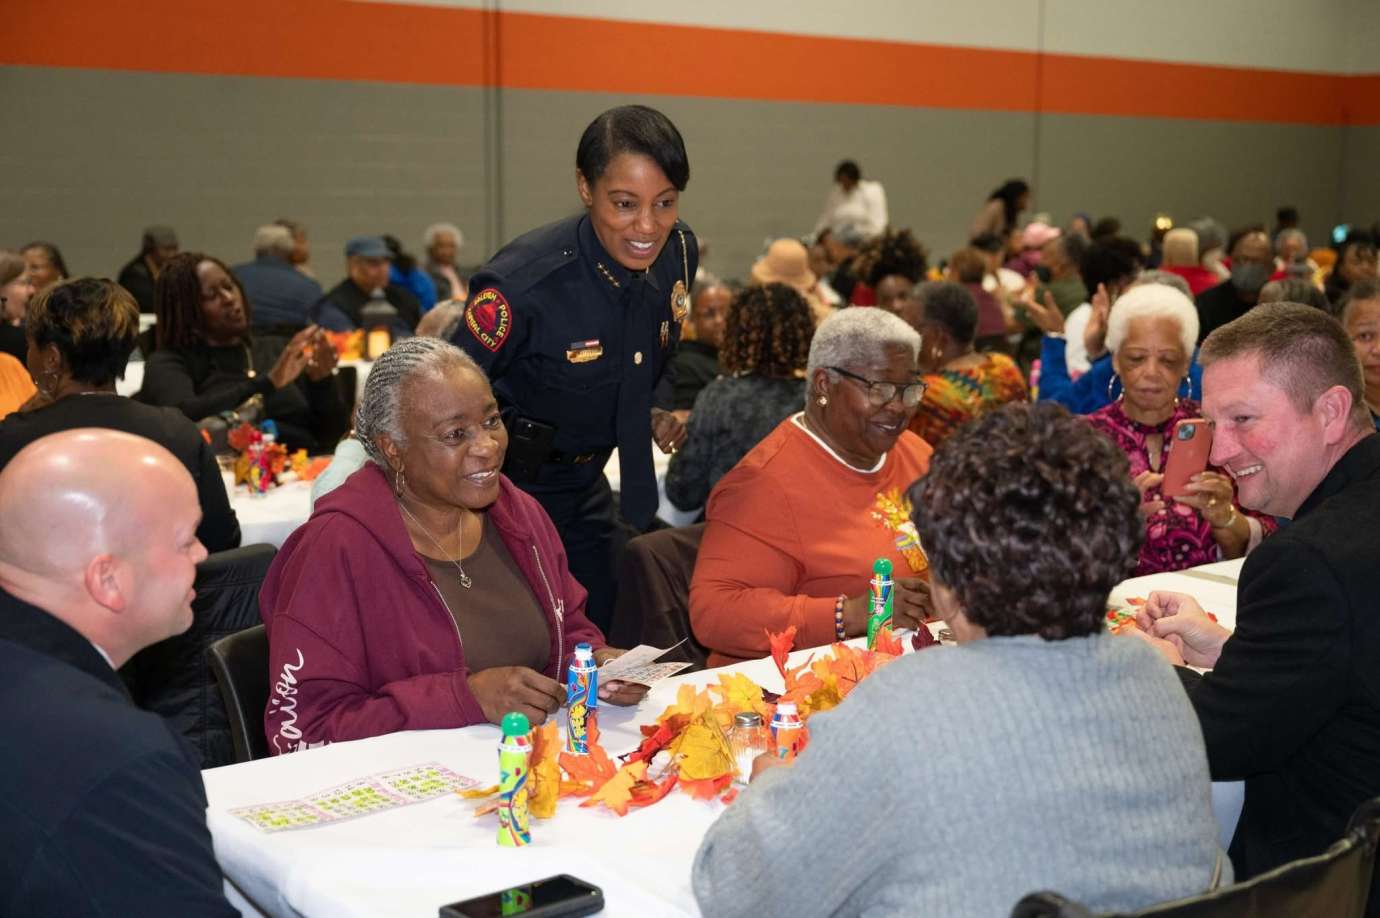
point(1231, 520)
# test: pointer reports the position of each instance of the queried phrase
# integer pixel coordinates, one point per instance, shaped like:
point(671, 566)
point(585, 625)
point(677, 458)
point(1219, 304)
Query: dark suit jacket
point(219, 529)
point(1293, 706)
point(104, 813)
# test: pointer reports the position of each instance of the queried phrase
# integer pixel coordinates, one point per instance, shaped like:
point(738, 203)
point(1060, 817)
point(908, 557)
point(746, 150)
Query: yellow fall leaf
point(702, 751)
point(738, 693)
point(689, 702)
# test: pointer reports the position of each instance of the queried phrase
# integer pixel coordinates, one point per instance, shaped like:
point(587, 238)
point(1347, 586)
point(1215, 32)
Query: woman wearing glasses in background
point(794, 528)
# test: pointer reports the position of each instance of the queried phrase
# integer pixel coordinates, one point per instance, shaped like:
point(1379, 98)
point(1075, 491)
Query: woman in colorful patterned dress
point(1150, 332)
point(960, 383)
point(794, 528)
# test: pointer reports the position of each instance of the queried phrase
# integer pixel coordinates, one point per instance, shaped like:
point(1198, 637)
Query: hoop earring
point(1111, 384)
point(1188, 384)
point(399, 482)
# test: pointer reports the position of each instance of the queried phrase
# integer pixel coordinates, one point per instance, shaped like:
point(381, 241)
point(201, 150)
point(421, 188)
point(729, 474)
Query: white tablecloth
point(410, 861)
point(272, 517)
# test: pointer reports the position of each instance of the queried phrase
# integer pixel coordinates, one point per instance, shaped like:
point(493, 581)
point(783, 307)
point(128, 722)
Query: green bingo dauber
point(880, 588)
point(514, 768)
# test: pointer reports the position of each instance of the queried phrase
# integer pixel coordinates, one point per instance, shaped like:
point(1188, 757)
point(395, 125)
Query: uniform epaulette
point(528, 259)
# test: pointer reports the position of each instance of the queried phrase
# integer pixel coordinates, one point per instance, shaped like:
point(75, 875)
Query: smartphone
point(562, 895)
point(529, 444)
point(1190, 444)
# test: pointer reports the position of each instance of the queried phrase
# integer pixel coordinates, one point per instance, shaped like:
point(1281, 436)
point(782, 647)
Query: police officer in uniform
point(576, 324)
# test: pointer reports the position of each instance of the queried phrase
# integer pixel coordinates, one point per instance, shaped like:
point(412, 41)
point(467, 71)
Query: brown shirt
point(500, 620)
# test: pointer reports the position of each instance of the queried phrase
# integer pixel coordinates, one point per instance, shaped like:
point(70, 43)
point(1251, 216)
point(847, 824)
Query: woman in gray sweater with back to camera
point(1040, 753)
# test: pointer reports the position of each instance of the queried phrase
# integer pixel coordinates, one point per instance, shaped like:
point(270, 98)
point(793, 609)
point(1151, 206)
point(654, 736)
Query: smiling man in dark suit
point(1292, 704)
point(104, 812)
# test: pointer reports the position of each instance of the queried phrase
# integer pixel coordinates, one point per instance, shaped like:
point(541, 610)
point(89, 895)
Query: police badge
point(680, 301)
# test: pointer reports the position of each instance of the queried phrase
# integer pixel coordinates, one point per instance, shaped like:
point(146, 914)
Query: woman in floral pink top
point(1150, 333)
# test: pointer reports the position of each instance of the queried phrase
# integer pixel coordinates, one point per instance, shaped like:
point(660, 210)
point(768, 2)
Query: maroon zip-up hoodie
point(360, 641)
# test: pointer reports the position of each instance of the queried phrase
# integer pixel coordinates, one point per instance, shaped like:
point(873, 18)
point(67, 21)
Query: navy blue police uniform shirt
point(571, 338)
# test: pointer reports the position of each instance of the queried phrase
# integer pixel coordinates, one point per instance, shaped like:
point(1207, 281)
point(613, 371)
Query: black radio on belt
point(529, 445)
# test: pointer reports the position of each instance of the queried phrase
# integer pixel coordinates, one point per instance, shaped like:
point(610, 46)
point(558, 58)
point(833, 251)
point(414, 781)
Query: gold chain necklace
point(460, 531)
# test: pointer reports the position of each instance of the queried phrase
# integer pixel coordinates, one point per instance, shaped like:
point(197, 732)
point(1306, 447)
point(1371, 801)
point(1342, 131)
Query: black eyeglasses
point(879, 393)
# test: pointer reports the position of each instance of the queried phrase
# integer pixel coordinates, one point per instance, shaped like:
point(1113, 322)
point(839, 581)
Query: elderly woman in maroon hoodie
point(426, 591)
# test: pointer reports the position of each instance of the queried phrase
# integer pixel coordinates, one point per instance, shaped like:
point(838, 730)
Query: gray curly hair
point(380, 410)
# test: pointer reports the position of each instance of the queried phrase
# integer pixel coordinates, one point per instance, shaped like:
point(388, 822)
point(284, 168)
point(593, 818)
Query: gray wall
point(1361, 176)
point(103, 153)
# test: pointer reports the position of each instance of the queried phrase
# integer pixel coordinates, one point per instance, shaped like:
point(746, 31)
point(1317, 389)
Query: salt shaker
point(748, 739)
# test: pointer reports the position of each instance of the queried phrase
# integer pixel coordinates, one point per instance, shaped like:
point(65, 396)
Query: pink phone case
point(1191, 442)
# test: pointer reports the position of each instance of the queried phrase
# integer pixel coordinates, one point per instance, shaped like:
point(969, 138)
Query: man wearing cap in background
point(140, 273)
point(281, 295)
point(366, 263)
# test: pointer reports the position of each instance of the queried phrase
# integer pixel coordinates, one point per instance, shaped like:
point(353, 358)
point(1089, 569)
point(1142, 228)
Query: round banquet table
point(411, 860)
point(270, 518)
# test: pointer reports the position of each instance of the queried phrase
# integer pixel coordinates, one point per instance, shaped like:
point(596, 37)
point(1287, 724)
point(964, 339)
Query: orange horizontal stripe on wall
point(340, 40)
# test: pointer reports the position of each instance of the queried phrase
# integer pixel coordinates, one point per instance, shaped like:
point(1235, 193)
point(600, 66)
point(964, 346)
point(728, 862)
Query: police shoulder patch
point(489, 318)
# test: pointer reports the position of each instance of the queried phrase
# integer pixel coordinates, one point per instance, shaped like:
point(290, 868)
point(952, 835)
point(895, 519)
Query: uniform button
point(567, 252)
point(637, 358)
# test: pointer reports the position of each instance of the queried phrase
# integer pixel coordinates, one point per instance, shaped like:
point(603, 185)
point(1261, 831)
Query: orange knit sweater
point(792, 527)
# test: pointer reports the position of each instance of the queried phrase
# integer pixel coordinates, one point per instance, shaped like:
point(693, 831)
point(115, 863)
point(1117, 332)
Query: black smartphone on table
point(563, 895)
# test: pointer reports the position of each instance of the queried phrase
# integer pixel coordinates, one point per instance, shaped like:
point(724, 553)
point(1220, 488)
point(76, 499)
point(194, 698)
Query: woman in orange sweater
point(794, 528)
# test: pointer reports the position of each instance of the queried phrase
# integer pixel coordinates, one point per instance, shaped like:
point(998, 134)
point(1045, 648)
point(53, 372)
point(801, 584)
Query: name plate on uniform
point(584, 351)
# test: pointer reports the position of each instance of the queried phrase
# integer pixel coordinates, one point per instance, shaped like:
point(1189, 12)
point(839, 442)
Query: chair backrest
point(653, 604)
point(1337, 883)
point(171, 677)
point(240, 663)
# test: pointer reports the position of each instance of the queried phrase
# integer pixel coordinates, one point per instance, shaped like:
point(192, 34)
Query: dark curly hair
point(767, 332)
point(1029, 516)
point(893, 252)
point(177, 299)
point(94, 322)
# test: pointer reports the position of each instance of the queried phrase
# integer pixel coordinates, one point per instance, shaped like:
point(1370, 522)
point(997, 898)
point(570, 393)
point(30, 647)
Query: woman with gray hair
point(1150, 334)
point(794, 528)
point(427, 591)
point(442, 241)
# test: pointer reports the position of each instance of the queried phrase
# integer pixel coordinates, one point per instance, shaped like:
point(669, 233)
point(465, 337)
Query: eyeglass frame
point(878, 386)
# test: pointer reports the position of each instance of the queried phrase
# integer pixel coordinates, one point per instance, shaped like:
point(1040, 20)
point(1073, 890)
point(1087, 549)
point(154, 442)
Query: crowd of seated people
point(997, 426)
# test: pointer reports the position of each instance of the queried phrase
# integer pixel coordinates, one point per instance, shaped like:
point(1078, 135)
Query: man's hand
point(623, 694)
point(667, 430)
point(516, 688)
point(1168, 649)
point(1178, 619)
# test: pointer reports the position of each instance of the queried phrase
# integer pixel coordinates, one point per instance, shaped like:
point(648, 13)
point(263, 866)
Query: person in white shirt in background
point(854, 200)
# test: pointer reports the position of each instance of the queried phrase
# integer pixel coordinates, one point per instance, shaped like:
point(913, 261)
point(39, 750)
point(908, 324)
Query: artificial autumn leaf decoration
point(738, 694)
point(701, 751)
point(587, 772)
point(545, 770)
point(888, 643)
point(708, 788)
point(616, 792)
point(781, 644)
